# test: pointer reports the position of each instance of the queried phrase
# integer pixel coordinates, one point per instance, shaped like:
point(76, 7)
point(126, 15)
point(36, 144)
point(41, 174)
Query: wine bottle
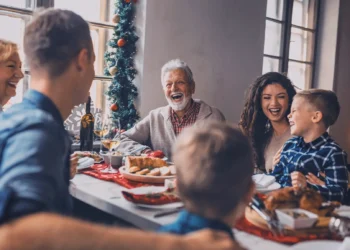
point(87, 129)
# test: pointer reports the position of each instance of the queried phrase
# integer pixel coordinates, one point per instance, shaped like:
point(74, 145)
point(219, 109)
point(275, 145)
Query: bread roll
point(143, 162)
point(164, 171)
point(143, 171)
point(134, 169)
point(172, 170)
point(154, 172)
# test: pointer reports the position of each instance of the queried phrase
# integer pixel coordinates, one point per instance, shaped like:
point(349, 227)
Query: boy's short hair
point(214, 167)
point(53, 38)
point(325, 101)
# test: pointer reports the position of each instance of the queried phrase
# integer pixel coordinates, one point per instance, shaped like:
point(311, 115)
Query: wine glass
point(98, 128)
point(110, 139)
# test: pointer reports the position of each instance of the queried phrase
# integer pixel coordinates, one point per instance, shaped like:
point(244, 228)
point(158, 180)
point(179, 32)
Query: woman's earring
point(267, 126)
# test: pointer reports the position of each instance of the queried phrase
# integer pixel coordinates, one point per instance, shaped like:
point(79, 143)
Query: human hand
point(208, 240)
point(276, 158)
point(313, 179)
point(298, 180)
point(73, 165)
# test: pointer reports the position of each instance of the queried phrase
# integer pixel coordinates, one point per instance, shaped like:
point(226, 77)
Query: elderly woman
point(10, 74)
point(264, 117)
point(10, 71)
point(158, 130)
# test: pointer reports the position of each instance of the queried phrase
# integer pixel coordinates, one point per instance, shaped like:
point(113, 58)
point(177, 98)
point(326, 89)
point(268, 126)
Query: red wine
point(87, 129)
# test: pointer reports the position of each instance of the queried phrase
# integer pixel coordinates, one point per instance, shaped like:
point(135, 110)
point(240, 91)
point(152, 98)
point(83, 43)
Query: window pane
point(304, 13)
point(29, 4)
point(98, 105)
point(100, 38)
point(92, 10)
point(275, 9)
point(270, 64)
point(272, 38)
point(301, 45)
point(300, 74)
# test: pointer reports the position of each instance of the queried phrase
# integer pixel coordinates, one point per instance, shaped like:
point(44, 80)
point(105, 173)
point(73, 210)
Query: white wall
point(221, 40)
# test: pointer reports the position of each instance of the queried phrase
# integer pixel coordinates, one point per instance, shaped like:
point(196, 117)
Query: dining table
point(107, 197)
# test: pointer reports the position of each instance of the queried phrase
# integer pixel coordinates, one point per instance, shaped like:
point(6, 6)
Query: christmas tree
point(120, 64)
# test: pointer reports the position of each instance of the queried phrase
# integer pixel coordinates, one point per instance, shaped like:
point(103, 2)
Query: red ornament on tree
point(114, 107)
point(127, 1)
point(121, 42)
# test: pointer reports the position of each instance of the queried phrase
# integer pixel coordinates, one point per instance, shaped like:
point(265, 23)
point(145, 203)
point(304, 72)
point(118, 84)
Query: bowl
point(296, 218)
point(116, 160)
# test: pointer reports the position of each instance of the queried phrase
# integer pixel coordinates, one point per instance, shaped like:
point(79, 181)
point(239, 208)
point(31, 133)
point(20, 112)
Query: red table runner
point(244, 225)
point(95, 171)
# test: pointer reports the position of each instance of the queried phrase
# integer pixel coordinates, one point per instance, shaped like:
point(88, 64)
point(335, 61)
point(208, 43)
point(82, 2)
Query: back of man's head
point(214, 167)
point(54, 38)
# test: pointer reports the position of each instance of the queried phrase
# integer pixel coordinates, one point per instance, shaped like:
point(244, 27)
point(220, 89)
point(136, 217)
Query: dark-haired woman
point(264, 117)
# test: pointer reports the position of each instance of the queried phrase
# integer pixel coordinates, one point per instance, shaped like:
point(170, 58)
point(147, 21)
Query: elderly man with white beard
point(159, 129)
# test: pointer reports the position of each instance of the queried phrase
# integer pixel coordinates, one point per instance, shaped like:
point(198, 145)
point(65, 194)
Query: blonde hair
point(7, 48)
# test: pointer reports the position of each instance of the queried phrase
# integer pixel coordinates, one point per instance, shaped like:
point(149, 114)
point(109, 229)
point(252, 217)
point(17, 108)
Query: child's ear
point(317, 117)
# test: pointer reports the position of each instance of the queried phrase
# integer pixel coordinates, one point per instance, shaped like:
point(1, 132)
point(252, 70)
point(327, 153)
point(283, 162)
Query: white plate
point(317, 244)
point(272, 187)
point(144, 178)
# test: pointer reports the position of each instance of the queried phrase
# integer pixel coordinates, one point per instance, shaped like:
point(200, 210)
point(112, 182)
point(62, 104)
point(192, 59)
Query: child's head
point(313, 108)
point(214, 167)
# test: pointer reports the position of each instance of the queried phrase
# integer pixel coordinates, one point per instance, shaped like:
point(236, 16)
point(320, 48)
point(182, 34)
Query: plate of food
point(81, 154)
point(147, 169)
point(152, 197)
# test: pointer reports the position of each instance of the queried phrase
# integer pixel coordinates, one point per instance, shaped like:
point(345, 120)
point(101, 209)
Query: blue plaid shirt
point(189, 222)
point(320, 155)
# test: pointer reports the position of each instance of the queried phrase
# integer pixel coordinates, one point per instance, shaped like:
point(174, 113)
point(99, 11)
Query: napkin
point(85, 162)
point(263, 180)
point(345, 245)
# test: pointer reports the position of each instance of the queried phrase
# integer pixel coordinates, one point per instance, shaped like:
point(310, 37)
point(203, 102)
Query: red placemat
point(244, 225)
point(95, 171)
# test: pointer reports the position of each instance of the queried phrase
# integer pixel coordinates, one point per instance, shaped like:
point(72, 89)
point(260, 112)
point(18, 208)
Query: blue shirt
point(189, 222)
point(34, 158)
point(320, 155)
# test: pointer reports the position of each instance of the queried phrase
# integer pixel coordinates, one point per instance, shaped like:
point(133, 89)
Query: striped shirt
point(188, 119)
point(320, 155)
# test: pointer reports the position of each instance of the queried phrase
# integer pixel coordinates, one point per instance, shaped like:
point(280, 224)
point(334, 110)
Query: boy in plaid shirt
point(312, 158)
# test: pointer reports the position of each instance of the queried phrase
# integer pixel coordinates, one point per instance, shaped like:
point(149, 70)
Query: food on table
point(296, 214)
point(151, 199)
point(307, 199)
point(93, 155)
point(134, 169)
point(144, 162)
point(117, 153)
point(150, 166)
point(157, 154)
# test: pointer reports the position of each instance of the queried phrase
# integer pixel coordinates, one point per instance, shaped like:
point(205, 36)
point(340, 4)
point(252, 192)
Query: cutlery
point(258, 206)
point(168, 212)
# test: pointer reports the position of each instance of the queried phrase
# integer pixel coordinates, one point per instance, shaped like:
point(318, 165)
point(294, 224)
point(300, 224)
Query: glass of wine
point(110, 139)
point(98, 128)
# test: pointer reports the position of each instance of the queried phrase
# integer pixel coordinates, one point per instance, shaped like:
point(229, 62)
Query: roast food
point(144, 162)
point(306, 198)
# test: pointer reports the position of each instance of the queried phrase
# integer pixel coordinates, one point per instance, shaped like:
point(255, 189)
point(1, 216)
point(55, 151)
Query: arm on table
point(31, 167)
point(136, 138)
point(48, 231)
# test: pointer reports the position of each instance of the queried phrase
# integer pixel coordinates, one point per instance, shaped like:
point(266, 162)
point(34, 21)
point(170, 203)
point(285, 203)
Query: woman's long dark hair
point(253, 120)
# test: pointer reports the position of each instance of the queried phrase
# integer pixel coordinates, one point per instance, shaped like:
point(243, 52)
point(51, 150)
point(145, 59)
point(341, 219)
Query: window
point(16, 13)
point(290, 39)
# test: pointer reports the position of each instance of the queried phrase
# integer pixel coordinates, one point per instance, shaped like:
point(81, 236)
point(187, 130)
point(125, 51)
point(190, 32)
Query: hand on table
point(73, 165)
point(209, 239)
point(298, 180)
point(313, 179)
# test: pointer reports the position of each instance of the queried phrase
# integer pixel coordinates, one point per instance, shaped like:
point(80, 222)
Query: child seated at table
point(214, 165)
point(312, 152)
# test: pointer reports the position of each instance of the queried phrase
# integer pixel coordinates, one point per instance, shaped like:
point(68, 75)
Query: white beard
point(178, 106)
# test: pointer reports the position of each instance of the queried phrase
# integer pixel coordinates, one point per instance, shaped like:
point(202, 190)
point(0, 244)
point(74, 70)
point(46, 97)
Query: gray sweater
point(156, 131)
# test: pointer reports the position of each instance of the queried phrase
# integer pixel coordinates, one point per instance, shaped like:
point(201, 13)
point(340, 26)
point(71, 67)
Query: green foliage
point(122, 91)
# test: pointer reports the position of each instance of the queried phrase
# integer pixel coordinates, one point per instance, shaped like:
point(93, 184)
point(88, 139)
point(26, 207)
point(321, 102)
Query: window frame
point(11, 11)
point(287, 26)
